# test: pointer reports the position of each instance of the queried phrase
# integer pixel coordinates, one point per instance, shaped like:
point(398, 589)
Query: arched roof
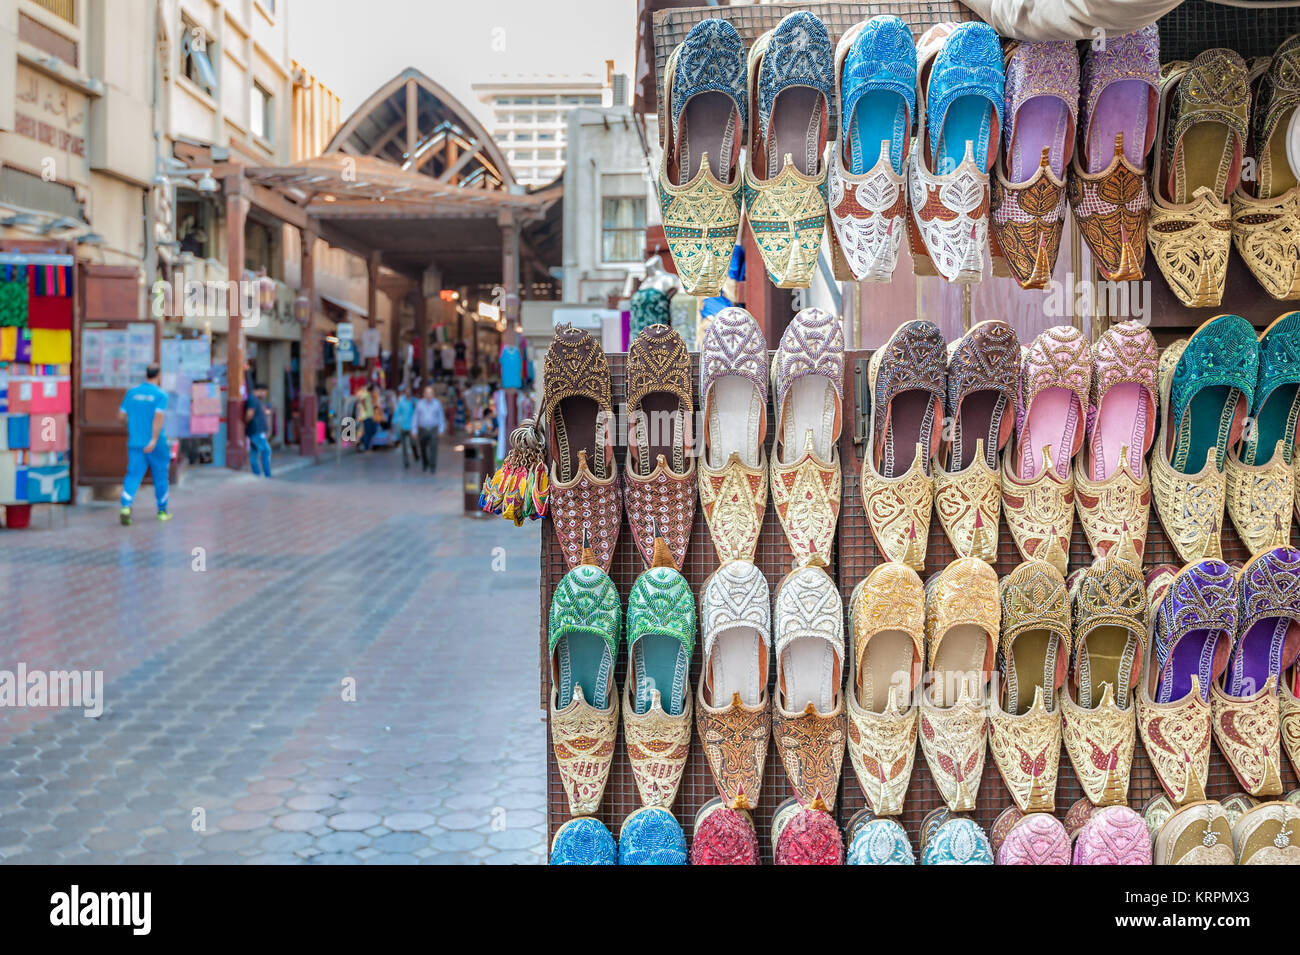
point(446, 142)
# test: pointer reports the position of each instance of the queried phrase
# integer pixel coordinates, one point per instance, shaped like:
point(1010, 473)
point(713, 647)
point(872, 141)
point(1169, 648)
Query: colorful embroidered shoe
point(875, 77)
point(734, 715)
point(733, 470)
point(874, 841)
point(706, 106)
point(1269, 834)
point(807, 382)
point(1028, 198)
point(579, 413)
point(960, 94)
point(648, 306)
point(1107, 185)
point(723, 836)
point(1245, 702)
point(1202, 134)
point(1266, 210)
point(808, 722)
point(1206, 385)
point(583, 841)
point(1112, 488)
point(805, 836)
point(1037, 482)
point(962, 621)
point(908, 380)
point(657, 693)
point(659, 475)
point(1260, 477)
point(1114, 835)
point(1034, 654)
point(791, 84)
point(1036, 838)
point(1195, 620)
point(983, 381)
point(582, 639)
point(651, 836)
point(957, 841)
point(1110, 611)
point(1196, 834)
point(887, 619)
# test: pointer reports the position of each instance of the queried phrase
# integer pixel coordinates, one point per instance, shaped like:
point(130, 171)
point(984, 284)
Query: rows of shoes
point(975, 147)
point(965, 664)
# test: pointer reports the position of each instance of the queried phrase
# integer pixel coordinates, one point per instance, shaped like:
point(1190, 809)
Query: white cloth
point(1068, 19)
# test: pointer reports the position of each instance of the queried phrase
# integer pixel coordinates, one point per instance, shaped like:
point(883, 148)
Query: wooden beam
point(412, 117)
point(307, 345)
point(277, 205)
point(387, 138)
point(466, 158)
point(236, 216)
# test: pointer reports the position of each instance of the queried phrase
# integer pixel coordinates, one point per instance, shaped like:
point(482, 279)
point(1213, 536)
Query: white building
point(529, 115)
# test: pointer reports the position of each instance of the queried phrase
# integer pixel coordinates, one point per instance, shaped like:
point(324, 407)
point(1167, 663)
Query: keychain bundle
point(521, 486)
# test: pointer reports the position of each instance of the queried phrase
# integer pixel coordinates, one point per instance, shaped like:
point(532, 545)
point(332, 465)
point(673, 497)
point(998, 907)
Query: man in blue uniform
point(146, 445)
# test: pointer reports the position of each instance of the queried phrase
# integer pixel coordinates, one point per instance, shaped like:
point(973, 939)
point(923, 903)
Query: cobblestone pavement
point(333, 667)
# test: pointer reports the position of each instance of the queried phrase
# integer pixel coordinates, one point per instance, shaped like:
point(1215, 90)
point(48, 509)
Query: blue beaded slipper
point(583, 841)
point(651, 836)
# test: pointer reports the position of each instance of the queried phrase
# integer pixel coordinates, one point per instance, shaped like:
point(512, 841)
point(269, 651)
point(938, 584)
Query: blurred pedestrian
point(404, 425)
point(430, 423)
point(143, 408)
point(256, 428)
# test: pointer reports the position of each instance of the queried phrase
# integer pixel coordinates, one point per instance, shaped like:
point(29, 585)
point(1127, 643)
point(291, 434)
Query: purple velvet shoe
point(1247, 720)
point(1195, 621)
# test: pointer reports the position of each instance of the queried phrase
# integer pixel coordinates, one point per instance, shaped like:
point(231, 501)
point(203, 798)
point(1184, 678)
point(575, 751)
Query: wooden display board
point(855, 554)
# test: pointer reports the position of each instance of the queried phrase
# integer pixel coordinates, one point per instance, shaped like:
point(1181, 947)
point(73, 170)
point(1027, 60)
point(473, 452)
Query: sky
point(355, 46)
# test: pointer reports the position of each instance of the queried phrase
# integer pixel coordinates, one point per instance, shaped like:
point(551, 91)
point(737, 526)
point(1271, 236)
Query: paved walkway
point(331, 667)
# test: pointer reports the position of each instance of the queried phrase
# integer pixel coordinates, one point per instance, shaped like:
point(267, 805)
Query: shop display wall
point(854, 556)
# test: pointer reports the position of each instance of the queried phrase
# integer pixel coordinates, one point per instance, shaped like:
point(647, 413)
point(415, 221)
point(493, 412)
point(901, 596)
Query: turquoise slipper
point(651, 836)
point(583, 841)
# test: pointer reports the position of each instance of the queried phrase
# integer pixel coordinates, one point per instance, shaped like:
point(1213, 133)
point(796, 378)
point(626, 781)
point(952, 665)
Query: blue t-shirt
point(403, 414)
point(512, 367)
point(257, 425)
point(140, 404)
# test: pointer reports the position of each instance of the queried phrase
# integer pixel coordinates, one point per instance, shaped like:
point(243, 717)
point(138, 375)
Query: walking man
point(403, 425)
point(146, 446)
point(429, 422)
point(256, 428)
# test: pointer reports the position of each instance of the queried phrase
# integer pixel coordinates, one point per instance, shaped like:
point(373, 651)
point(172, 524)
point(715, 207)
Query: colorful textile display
point(51, 395)
point(19, 431)
point(50, 311)
point(13, 295)
point(9, 480)
point(48, 432)
point(50, 346)
point(521, 486)
point(48, 484)
point(8, 343)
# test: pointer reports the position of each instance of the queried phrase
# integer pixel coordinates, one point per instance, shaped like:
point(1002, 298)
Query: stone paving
point(334, 667)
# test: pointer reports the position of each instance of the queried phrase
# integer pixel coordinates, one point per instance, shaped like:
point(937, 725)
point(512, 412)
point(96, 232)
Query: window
point(524, 154)
point(546, 137)
point(523, 137)
point(195, 61)
point(261, 112)
point(523, 117)
point(546, 154)
point(622, 226)
point(546, 117)
point(591, 100)
point(63, 9)
point(570, 100)
point(523, 101)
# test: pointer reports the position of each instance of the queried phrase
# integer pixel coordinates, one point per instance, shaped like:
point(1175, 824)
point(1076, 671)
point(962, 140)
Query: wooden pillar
point(412, 118)
point(428, 297)
point(236, 217)
point(510, 282)
point(307, 345)
point(372, 300)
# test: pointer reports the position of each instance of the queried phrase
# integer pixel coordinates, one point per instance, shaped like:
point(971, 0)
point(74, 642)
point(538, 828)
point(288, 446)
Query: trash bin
point(480, 463)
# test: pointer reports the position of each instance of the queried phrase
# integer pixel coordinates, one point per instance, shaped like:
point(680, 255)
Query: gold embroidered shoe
point(582, 636)
point(1202, 134)
point(1245, 702)
point(808, 720)
point(706, 107)
point(807, 383)
point(733, 715)
point(1034, 653)
point(1206, 384)
point(887, 619)
point(1195, 618)
point(733, 470)
point(579, 412)
point(1110, 610)
point(791, 84)
point(962, 619)
point(983, 380)
point(1260, 478)
point(1196, 834)
point(657, 693)
point(1266, 209)
point(659, 475)
point(1268, 834)
point(1037, 483)
point(907, 377)
point(1112, 488)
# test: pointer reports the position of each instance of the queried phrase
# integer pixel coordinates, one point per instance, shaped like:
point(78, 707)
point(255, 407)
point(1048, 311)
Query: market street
point(332, 667)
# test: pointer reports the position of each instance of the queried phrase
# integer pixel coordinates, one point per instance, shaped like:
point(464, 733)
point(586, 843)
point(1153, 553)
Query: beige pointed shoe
point(962, 622)
point(1034, 652)
point(1195, 834)
point(887, 620)
point(1268, 834)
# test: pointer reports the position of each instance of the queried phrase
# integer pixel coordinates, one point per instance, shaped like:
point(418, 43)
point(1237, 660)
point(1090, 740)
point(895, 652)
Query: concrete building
point(530, 113)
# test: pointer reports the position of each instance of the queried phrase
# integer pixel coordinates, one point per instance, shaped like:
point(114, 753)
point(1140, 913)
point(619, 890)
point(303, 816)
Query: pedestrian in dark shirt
point(255, 427)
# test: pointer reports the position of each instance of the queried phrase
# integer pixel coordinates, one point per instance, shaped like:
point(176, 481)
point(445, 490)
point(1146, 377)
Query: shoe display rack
point(855, 555)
